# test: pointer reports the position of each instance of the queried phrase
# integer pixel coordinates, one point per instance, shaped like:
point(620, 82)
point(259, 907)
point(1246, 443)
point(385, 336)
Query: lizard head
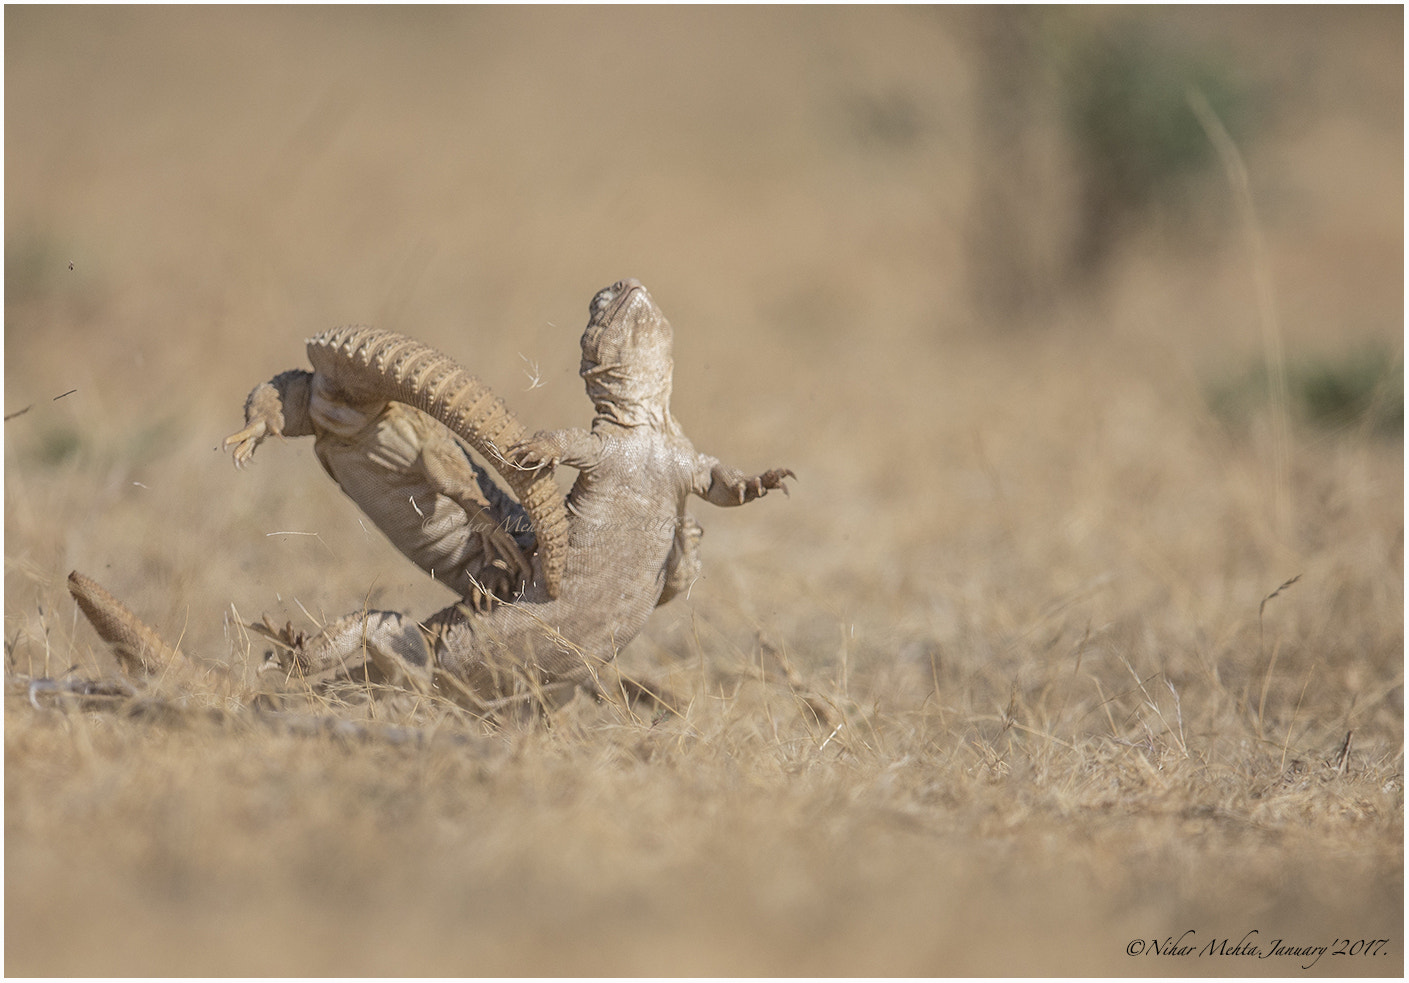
point(626, 359)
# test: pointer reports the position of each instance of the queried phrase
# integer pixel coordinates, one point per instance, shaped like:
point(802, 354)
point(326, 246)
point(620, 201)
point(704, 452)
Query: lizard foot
point(288, 643)
point(756, 486)
point(533, 453)
point(264, 416)
point(264, 413)
point(391, 642)
point(245, 441)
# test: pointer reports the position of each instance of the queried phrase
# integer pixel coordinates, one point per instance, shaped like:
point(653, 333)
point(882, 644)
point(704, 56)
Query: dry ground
point(997, 690)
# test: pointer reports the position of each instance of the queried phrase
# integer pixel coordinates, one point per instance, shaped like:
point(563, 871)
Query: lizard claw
point(503, 571)
point(758, 485)
point(245, 441)
point(774, 479)
point(288, 642)
point(532, 454)
point(264, 417)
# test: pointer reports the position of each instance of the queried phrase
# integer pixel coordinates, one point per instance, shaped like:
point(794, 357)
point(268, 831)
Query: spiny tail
point(392, 366)
point(138, 648)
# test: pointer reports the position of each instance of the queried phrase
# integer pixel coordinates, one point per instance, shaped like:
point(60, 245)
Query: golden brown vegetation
point(1042, 656)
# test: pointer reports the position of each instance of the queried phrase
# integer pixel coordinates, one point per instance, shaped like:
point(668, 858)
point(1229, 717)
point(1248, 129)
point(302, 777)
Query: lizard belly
point(430, 529)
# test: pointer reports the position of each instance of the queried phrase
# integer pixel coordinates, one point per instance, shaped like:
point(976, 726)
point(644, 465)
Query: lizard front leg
point(581, 449)
point(721, 485)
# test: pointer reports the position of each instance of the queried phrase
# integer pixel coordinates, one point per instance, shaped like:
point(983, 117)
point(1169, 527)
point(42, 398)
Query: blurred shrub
point(1136, 143)
point(56, 444)
point(1085, 134)
point(1360, 390)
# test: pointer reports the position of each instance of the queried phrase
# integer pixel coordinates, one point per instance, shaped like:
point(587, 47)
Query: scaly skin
point(629, 543)
point(636, 471)
point(414, 480)
point(366, 448)
point(411, 477)
point(139, 650)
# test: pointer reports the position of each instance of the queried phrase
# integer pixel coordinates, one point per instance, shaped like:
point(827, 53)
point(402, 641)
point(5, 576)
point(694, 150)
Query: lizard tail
point(139, 649)
point(384, 365)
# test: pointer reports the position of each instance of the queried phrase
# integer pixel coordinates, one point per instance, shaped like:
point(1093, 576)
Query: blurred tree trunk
point(1010, 226)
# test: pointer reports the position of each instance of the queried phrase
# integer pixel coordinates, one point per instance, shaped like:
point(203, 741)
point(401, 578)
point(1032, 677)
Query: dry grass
point(1005, 684)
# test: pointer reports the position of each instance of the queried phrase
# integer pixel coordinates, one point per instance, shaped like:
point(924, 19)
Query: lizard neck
point(634, 413)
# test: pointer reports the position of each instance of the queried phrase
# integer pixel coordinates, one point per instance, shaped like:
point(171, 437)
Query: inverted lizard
point(554, 605)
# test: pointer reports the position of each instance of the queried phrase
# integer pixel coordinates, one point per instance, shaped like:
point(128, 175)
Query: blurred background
point(859, 221)
point(1081, 327)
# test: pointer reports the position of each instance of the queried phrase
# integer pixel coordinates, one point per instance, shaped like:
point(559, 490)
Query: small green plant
point(1137, 144)
point(1364, 386)
point(58, 444)
point(1360, 389)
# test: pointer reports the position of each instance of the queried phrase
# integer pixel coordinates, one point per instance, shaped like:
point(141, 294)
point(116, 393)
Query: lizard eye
point(603, 300)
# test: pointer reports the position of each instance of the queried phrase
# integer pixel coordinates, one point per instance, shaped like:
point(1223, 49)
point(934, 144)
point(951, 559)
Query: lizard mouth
point(610, 301)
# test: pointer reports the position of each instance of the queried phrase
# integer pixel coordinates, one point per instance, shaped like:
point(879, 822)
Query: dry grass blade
point(1261, 607)
point(1342, 762)
point(1273, 348)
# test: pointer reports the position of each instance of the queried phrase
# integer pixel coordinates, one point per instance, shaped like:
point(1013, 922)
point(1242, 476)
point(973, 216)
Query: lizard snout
point(609, 299)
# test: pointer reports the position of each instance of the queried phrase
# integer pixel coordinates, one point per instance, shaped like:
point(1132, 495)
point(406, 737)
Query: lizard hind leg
point(391, 642)
point(682, 565)
point(278, 408)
